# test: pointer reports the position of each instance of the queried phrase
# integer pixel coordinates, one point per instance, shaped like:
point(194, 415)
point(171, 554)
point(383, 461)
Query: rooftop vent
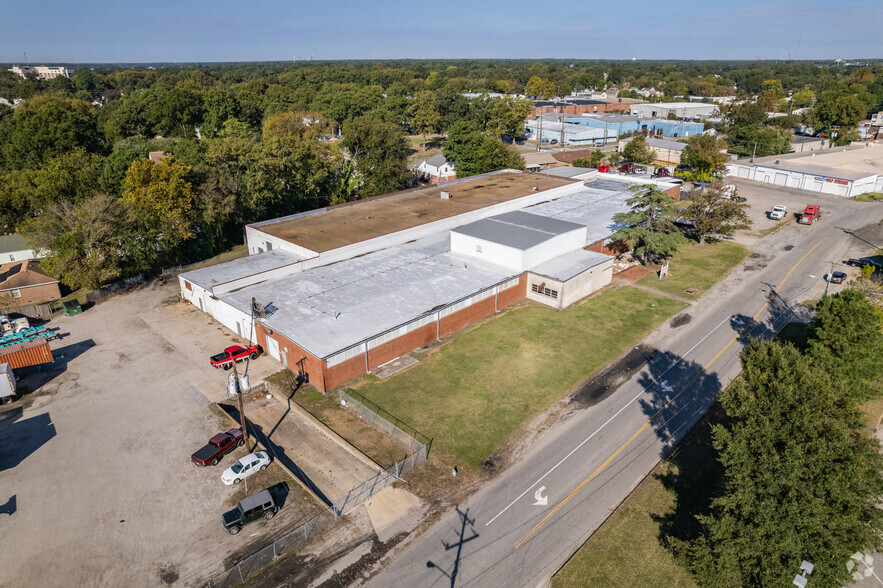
point(446, 195)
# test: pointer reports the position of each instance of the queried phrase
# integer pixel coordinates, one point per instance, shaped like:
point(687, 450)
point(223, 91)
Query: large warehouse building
point(348, 288)
point(847, 171)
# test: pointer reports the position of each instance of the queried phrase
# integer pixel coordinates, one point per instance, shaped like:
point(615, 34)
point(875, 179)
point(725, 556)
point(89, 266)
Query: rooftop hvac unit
point(446, 195)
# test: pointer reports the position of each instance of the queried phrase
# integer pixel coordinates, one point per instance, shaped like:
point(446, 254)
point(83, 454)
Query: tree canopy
point(713, 214)
point(649, 229)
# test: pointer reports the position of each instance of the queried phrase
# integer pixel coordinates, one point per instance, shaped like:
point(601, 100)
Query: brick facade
point(31, 295)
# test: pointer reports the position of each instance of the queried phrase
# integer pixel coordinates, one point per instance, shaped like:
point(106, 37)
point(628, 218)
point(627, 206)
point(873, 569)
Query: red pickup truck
point(218, 446)
point(235, 354)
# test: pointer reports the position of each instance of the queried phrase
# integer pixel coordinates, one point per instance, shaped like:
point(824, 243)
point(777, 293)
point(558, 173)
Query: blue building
point(621, 124)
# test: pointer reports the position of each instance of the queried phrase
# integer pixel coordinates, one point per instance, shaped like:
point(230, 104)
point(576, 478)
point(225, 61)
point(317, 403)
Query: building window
point(16, 293)
point(553, 294)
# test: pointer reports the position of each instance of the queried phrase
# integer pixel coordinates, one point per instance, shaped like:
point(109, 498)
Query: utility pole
point(241, 407)
point(540, 133)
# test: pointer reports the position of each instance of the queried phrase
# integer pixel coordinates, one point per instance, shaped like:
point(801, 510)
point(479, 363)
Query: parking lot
point(97, 480)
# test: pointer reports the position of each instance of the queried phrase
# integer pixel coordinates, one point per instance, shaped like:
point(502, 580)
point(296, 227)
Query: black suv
point(878, 266)
point(251, 508)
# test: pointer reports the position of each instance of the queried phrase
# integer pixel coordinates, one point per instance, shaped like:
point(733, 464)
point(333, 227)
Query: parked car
point(235, 354)
point(245, 467)
point(836, 277)
point(217, 447)
point(260, 505)
point(862, 262)
point(627, 168)
point(778, 212)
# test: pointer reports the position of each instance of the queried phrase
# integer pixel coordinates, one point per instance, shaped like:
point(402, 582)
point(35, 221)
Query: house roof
point(666, 144)
point(539, 159)
point(437, 160)
point(13, 243)
point(21, 274)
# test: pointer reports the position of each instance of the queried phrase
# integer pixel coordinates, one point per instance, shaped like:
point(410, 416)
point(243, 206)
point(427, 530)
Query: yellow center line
point(666, 405)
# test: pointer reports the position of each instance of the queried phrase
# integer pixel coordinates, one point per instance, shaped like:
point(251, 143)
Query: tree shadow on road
point(20, 438)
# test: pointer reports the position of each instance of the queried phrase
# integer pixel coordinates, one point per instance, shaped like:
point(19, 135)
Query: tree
point(426, 118)
point(540, 88)
point(714, 214)
point(749, 135)
point(506, 116)
point(161, 203)
point(802, 480)
point(706, 155)
point(637, 150)
point(838, 116)
point(380, 151)
point(44, 127)
point(220, 106)
point(847, 341)
point(648, 229)
point(85, 241)
point(476, 154)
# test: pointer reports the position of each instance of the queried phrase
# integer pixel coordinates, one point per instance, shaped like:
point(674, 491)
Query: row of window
point(553, 294)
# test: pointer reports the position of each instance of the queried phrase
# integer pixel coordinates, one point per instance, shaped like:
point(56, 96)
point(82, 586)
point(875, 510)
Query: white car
point(779, 211)
point(245, 467)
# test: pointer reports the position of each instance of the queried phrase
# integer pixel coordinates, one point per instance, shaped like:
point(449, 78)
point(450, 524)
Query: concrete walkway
point(661, 293)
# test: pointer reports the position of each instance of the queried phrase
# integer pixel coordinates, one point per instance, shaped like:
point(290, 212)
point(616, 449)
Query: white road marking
point(607, 422)
point(541, 500)
point(665, 387)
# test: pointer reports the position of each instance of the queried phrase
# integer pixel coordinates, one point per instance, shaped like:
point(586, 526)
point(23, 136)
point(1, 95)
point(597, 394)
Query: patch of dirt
point(168, 574)
point(755, 261)
point(601, 385)
point(492, 465)
point(681, 320)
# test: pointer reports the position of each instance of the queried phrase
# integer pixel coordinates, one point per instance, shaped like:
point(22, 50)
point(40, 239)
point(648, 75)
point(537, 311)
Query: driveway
point(98, 487)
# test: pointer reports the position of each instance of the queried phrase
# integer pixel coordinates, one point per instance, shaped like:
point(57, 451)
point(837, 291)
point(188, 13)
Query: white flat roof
point(211, 276)
point(569, 265)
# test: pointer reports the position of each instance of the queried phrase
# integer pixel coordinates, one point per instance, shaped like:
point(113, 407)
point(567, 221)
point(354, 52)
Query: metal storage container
point(21, 355)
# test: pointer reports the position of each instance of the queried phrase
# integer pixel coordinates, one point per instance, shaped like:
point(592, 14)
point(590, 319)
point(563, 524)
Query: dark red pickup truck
point(235, 354)
point(218, 446)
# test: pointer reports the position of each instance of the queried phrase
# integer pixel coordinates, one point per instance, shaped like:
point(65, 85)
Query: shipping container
point(7, 383)
point(35, 352)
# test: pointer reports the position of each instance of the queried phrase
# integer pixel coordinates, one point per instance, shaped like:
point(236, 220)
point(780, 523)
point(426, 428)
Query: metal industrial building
point(844, 171)
point(681, 110)
point(622, 124)
point(348, 288)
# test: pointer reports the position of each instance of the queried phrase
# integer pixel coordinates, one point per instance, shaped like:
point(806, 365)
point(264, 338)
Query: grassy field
point(870, 197)
point(474, 392)
point(697, 268)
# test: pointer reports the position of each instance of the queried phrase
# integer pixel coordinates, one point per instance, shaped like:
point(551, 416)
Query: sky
point(141, 31)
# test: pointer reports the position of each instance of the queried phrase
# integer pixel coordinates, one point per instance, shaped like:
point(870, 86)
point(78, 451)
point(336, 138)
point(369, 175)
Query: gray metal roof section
point(13, 243)
point(331, 308)
point(593, 207)
point(211, 276)
point(570, 265)
point(518, 229)
point(437, 160)
point(567, 171)
point(666, 144)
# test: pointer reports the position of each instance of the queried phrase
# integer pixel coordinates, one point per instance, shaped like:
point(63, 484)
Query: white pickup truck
point(778, 212)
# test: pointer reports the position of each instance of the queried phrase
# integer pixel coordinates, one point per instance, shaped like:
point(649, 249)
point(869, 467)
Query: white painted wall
point(502, 255)
point(557, 245)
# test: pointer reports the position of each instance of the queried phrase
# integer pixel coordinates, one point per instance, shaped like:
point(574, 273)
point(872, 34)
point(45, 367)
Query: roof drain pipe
point(437, 326)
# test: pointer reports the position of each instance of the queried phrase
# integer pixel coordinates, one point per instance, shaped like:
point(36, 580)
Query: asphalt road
point(524, 525)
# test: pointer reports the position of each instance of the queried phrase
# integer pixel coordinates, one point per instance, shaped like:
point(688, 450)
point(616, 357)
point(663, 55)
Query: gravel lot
point(97, 481)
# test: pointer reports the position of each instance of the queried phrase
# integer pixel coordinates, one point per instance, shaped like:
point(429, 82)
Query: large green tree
point(750, 135)
point(803, 479)
point(426, 118)
point(706, 156)
point(649, 229)
point(713, 214)
point(637, 150)
point(847, 341)
point(838, 115)
point(380, 151)
point(475, 153)
point(44, 127)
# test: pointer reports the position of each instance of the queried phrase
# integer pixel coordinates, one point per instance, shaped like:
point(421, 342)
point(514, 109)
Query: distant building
point(23, 283)
point(539, 160)
point(799, 144)
point(622, 124)
point(581, 105)
point(436, 169)
point(681, 110)
point(42, 72)
point(663, 149)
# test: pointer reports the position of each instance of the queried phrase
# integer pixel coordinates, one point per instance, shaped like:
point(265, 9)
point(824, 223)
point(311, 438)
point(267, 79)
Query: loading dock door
point(273, 348)
point(780, 179)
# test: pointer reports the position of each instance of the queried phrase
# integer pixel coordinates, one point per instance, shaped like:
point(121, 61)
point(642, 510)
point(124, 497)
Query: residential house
point(23, 283)
point(436, 169)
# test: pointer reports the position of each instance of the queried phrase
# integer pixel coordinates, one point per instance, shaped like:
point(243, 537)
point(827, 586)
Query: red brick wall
point(458, 320)
point(513, 294)
point(312, 366)
point(32, 294)
point(633, 273)
point(342, 372)
point(614, 248)
point(401, 345)
point(674, 192)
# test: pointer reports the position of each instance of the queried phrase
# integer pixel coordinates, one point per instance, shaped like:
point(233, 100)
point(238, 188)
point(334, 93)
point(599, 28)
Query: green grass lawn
point(869, 197)
point(697, 268)
point(474, 392)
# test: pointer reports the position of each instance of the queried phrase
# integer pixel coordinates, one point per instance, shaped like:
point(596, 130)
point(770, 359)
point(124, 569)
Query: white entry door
point(273, 348)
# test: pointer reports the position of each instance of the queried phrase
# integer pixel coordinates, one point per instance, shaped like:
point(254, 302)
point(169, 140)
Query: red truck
point(218, 446)
point(235, 354)
point(810, 215)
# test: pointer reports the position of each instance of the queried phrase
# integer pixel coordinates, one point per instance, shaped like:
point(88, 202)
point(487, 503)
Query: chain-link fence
point(283, 545)
point(387, 423)
point(418, 450)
